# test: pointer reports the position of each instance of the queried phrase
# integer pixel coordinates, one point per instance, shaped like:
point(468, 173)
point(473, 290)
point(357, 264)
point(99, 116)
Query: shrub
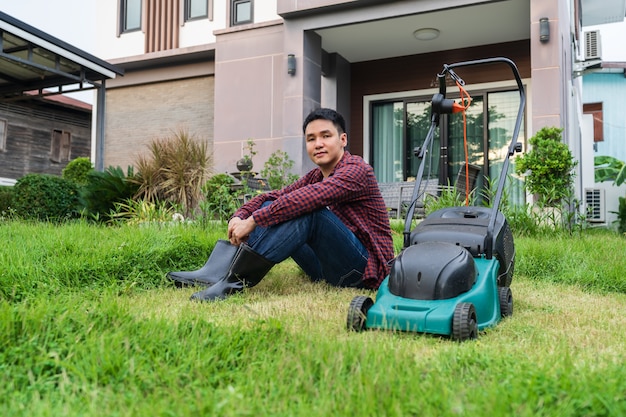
point(45, 197)
point(77, 171)
point(104, 189)
point(6, 198)
point(276, 170)
point(220, 201)
point(621, 215)
point(141, 212)
point(174, 171)
point(549, 165)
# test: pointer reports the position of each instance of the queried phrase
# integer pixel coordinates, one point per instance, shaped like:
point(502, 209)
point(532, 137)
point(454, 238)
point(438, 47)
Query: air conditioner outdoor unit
point(595, 209)
point(593, 48)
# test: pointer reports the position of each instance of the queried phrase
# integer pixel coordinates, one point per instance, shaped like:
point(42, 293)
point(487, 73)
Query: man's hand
point(239, 230)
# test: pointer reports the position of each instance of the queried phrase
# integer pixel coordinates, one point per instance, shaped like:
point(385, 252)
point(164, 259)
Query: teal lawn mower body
point(453, 275)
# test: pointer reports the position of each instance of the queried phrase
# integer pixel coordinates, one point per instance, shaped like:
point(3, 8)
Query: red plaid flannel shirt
point(351, 192)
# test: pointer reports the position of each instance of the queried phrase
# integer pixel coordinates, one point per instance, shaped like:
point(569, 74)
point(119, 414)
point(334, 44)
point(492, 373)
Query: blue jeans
point(319, 243)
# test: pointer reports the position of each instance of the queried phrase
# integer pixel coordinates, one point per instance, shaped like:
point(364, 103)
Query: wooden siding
point(30, 128)
point(417, 72)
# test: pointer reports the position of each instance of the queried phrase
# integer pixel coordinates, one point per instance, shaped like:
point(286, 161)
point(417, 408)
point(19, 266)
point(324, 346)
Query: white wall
point(198, 32)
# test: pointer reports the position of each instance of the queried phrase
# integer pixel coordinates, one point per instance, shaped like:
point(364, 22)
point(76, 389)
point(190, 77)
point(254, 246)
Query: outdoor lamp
point(544, 30)
point(291, 64)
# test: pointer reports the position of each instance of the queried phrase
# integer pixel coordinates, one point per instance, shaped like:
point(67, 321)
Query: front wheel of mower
point(506, 301)
point(464, 323)
point(357, 312)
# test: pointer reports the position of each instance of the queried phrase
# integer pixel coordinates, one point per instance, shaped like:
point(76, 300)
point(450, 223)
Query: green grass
point(90, 327)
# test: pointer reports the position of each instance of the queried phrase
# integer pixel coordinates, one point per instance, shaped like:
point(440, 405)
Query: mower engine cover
point(432, 271)
point(467, 227)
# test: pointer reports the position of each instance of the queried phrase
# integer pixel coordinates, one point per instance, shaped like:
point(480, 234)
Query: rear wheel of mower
point(464, 323)
point(506, 301)
point(357, 312)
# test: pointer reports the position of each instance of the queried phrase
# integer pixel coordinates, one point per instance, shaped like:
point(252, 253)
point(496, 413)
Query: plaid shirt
point(351, 193)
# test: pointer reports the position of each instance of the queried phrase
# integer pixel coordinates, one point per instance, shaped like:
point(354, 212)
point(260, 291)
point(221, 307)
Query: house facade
point(604, 119)
point(232, 70)
point(42, 136)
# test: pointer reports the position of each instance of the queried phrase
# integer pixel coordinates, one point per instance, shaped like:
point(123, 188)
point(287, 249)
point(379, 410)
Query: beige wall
point(251, 70)
point(137, 114)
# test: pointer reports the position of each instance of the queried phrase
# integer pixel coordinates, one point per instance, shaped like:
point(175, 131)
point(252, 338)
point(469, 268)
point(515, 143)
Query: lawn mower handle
point(442, 107)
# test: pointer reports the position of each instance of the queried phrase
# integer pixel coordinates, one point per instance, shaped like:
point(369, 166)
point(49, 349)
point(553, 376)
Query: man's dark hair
point(326, 114)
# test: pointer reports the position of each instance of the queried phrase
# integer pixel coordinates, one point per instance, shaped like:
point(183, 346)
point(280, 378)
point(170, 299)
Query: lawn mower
point(453, 275)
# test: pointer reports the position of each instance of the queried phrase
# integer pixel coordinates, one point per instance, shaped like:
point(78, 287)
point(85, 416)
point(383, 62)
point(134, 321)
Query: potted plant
point(245, 164)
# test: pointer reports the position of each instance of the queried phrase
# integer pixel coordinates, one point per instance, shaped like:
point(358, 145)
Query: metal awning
point(36, 64)
point(34, 61)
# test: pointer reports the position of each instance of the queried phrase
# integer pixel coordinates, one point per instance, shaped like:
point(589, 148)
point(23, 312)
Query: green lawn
point(90, 327)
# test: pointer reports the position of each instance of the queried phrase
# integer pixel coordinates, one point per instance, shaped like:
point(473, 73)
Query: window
point(595, 109)
point(196, 9)
point(61, 143)
point(130, 15)
point(398, 126)
point(3, 135)
point(241, 12)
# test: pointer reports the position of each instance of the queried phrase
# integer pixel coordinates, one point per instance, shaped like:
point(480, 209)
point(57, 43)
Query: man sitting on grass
point(333, 222)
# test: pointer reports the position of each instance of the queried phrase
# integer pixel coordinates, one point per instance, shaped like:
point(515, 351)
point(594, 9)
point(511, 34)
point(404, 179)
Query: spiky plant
point(175, 170)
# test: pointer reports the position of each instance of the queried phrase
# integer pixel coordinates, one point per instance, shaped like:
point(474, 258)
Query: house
point(41, 135)
point(233, 70)
point(604, 110)
point(40, 128)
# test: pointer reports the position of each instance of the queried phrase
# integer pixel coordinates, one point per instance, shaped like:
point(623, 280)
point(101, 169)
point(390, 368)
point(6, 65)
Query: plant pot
point(244, 164)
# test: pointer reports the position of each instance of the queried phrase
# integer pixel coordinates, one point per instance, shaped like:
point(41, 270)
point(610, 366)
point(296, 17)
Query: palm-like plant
point(608, 168)
point(174, 171)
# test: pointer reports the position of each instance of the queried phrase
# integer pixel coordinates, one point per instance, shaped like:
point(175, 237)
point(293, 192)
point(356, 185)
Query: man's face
point(324, 144)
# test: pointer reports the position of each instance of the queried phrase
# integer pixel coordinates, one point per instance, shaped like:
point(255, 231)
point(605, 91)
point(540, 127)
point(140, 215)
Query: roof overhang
point(32, 60)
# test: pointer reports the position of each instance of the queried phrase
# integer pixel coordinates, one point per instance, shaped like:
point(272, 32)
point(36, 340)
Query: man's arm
point(346, 183)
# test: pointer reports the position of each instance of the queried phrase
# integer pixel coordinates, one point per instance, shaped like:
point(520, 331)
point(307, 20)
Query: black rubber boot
point(213, 270)
point(247, 270)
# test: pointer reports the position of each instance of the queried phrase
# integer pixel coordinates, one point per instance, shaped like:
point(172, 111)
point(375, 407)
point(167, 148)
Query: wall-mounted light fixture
point(544, 30)
point(291, 64)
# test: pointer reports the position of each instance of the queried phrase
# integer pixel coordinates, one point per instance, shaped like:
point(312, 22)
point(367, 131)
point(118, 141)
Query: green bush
point(6, 198)
point(77, 171)
point(621, 215)
point(276, 170)
point(220, 201)
point(104, 189)
point(45, 197)
point(549, 164)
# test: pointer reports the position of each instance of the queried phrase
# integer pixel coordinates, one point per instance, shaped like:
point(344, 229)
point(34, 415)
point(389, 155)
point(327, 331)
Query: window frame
point(60, 146)
point(4, 126)
point(187, 10)
point(597, 112)
point(123, 15)
point(233, 12)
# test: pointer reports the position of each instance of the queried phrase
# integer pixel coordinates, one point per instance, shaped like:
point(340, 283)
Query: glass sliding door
point(455, 145)
point(400, 126)
point(387, 141)
point(418, 123)
point(503, 107)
